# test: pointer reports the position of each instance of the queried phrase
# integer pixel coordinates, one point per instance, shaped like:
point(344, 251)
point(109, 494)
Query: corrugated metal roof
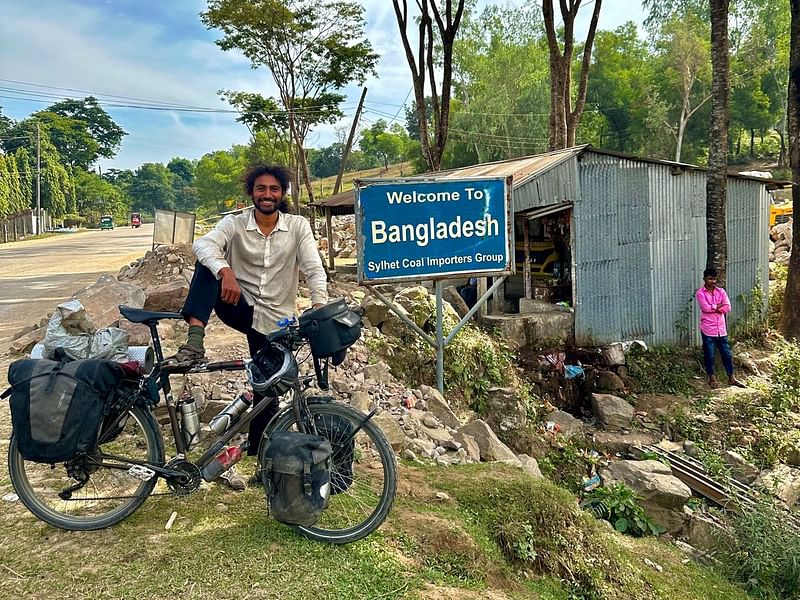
point(521, 169)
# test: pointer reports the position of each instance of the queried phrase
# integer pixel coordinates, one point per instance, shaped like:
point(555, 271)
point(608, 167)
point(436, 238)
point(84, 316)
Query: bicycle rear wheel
point(108, 495)
point(363, 473)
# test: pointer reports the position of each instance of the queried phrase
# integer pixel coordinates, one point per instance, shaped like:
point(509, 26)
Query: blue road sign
point(412, 229)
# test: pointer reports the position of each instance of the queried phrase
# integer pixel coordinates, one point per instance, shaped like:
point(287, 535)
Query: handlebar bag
point(57, 407)
point(295, 469)
point(331, 329)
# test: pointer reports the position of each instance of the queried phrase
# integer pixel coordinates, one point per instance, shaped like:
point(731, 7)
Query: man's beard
point(274, 206)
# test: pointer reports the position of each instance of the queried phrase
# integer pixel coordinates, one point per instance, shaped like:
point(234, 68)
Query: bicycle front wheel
point(108, 494)
point(363, 472)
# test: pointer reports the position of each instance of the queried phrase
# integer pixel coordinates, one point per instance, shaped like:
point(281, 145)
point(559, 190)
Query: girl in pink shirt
point(714, 305)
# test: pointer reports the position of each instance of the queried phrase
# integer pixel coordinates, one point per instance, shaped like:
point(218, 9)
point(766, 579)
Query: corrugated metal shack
point(630, 240)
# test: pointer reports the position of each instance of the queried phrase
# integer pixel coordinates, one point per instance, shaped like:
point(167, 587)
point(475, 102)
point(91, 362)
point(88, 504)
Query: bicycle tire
point(369, 495)
point(108, 497)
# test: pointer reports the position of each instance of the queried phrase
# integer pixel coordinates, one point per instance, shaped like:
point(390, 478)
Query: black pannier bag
point(57, 407)
point(331, 329)
point(295, 469)
point(339, 432)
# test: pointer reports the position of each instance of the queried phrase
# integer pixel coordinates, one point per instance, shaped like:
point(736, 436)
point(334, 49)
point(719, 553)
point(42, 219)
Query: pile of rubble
point(780, 245)
point(343, 237)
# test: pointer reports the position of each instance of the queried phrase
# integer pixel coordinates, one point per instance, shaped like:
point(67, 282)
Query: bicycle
point(107, 485)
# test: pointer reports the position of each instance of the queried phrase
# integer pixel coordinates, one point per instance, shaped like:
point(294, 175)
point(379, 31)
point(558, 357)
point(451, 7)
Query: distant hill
point(323, 188)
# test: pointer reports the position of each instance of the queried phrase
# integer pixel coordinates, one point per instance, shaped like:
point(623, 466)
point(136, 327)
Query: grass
point(496, 531)
point(324, 187)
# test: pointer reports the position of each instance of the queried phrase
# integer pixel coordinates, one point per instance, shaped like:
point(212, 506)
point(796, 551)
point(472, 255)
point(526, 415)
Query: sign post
point(434, 228)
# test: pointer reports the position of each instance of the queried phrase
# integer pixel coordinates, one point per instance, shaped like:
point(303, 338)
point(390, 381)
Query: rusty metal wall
point(640, 243)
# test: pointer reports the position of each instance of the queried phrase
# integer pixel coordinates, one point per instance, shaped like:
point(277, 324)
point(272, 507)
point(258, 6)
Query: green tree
point(182, 170)
point(494, 116)
point(151, 188)
point(26, 177)
point(618, 85)
point(386, 144)
point(96, 197)
point(218, 179)
point(313, 48)
point(97, 122)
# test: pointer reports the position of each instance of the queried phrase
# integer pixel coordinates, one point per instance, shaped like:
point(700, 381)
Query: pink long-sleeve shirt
point(712, 322)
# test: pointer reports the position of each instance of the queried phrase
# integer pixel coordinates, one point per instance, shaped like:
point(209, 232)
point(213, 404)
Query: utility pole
point(346, 150)
point(38, 180)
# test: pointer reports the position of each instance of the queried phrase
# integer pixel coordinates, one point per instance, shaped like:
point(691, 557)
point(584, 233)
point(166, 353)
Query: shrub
point(785, 381)
point(762, 553)
point(619, 505)
point(776, 291)
point(72, 220)
point(661, 370)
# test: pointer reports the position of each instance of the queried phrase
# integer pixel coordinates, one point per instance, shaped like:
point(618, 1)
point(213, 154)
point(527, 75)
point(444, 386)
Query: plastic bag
point(71, 330)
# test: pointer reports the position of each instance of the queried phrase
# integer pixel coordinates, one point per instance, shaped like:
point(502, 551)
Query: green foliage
point(785, 380)
point(96, 197)
point(72, 220)
point(218, 180)
point(762, 553)
point(541, 527)
point(386, 144)
point(752, 326)
point(151, 188)
point(618, 505)
point(776, 291)
point(661, 369)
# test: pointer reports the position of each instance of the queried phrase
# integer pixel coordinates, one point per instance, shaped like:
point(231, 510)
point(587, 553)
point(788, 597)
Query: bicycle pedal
point(140, 472)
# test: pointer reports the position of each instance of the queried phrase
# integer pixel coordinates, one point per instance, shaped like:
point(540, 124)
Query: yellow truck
point(780, 207)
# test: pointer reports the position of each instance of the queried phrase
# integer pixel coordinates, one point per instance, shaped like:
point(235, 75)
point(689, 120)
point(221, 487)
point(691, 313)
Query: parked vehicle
point(106, 222)
point(136, 220)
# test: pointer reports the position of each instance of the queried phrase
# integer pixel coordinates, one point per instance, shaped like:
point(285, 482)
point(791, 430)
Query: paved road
point(37, 275)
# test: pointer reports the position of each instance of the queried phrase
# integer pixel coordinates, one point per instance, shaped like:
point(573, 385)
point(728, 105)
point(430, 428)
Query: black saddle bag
point(295, 469)
point(57, 408)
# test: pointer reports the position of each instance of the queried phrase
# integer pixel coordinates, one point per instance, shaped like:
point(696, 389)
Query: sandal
point(186, 356)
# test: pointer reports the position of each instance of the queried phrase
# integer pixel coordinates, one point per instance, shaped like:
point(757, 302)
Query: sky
point(158, 53)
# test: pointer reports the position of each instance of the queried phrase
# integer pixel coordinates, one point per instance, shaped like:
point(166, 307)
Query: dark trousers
point(710, 345)
point(204, 296)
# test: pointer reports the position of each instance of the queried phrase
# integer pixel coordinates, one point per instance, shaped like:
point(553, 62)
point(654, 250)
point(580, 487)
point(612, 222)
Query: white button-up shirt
point(266, 267)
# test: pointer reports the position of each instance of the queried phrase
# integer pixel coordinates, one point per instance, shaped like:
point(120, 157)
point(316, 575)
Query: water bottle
point(222, 462)
point(231, 413)
point(190, 422)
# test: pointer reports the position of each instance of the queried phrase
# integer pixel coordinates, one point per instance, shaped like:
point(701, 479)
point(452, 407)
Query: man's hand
point(317, 305)
point(230, 290)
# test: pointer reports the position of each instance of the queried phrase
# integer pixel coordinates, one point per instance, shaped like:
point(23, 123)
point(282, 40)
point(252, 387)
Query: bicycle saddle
point(137, 315)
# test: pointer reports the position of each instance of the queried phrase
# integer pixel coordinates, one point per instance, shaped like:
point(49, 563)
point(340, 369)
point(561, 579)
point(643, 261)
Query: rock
point(691, 449)
point(392, 430)
point(377, 373)
point(783, 481)
point(491, 448)
point(504, 410)
point(138, 334)
point(409, 455)
point(530, 466)
point(424, 446)
point(703, 532)
point(453, 298)
point(430, 421)
point(615, 442)
point(393, 325)
point(569, 425)
point(166, 297)
point(470, 445)
point(374, 310)
point(102, 299)
point(740, 469)
point(612, 411)
point(440, 437)
point(439, 406)
point(609, 381)
point(663, 495)
point(26, 342)
point(793, 457)
point(421, 306)
point(361, 401)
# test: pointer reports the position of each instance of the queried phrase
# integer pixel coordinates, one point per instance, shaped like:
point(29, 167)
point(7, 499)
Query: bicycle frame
point(158, 381)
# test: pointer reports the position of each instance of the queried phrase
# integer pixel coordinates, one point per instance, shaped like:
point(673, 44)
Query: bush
point(762, 553)
point(72, 220)
point(776, 291)
point(619, 505)
point(661, 370)
point(785, 381)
